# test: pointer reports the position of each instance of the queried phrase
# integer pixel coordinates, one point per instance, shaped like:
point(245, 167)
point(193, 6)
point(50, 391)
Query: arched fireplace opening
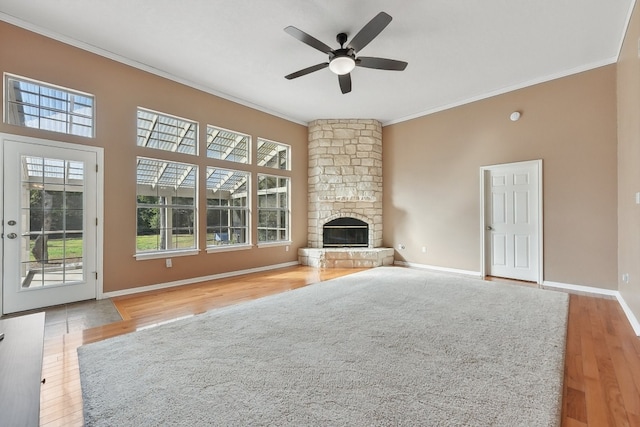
point(345, 232)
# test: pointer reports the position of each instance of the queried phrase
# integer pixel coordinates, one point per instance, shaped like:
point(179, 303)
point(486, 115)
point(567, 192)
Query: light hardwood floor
point(602, 362)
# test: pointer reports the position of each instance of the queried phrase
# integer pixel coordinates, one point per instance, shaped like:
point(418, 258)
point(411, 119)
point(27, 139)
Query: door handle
point(489, 227)
point(12, 235)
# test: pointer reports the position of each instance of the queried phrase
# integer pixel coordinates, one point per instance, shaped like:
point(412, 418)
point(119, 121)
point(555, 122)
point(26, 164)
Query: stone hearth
point(345, 257)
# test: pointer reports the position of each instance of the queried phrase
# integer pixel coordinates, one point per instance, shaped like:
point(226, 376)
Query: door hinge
point(96, 221)
point(96, 273)
point(97, 168)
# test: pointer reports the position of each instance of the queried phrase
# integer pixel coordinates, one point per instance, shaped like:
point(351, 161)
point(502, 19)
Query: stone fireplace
point(345, 181)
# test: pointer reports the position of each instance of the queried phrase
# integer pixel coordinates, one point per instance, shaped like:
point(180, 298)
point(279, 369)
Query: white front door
point(50, 232)
point(512, 220)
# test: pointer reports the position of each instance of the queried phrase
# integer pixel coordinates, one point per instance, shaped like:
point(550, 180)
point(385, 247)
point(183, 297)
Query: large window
point(273, 154)
point(166, 205)
point(227, 145)
point(273, 209)
point(227, 207)
point(47, 107)
point(168, 133)
point(167, 188)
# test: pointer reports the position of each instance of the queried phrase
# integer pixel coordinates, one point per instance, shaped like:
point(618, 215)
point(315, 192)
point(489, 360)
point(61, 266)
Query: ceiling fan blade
point(307, 70)
point(307, 39)
point(345, 82)
point(370, 31)
point(380, 63)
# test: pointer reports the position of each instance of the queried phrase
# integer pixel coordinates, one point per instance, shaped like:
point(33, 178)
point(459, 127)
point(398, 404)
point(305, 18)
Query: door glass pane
point(52, 200)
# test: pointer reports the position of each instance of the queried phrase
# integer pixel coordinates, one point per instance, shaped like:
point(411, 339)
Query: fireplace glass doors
point(345, 232)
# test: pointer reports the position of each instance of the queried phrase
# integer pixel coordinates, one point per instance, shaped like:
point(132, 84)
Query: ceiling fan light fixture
point(342, 65)
point(343, 60)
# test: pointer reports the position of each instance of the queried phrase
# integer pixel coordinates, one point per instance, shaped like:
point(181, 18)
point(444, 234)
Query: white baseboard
point(635, 324)
point(633, 320)
point(589, 290)
point(193, 280)
point(436, 268)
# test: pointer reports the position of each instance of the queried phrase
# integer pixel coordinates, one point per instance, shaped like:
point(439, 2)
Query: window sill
point(272, 244)
point(228, 248)
point(165, 254)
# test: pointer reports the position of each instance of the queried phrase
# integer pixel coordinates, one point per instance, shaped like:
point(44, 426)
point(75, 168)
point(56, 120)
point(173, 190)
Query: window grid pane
point(273, 208)
point(227, 207)
point(52, 220)
point(164, 132)
point(273, 154)
point(41, 106)
point(227, 145)
point(166, 205)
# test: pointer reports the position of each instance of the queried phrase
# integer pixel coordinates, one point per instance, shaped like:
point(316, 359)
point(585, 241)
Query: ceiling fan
point(343, 60)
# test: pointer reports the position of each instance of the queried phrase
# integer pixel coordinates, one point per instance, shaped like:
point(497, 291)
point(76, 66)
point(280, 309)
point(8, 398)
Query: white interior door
point(512, 222)
point(50, 197)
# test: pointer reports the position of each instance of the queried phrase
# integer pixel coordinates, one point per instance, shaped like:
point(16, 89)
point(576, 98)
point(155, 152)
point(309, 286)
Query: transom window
point(273, 154)
point(168, 133)
point(227, 145)
point(227, 207)
point(43, 106)
point(273, 209)
point(166, 205)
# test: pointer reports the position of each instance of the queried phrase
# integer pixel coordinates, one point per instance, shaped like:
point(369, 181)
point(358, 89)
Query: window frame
point(286, 147)
point(169, 210)
point(196, 137)
point(249, 144)
point(278, 208)
point(68, 112)
point(245, 209)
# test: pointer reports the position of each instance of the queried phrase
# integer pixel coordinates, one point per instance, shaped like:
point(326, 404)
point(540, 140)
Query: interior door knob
point(489, 227)
point(12, 235)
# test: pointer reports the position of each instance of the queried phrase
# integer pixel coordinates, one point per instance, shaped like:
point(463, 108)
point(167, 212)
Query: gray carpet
point(389, 346)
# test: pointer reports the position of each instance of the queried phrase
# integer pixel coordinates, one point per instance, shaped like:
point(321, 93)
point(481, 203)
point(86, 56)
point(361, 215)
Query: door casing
point(99, 152)
point(483, 220)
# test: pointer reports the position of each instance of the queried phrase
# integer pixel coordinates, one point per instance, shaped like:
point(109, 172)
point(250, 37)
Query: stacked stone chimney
point(345, 175)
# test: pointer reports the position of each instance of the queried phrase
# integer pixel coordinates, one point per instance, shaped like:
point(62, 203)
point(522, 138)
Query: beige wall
point(431, 176)
point(629, 165)
point(119, 90)
point(430, 166)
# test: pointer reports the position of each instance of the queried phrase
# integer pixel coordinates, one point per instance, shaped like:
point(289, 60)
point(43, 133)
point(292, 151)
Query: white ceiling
point(458, 51)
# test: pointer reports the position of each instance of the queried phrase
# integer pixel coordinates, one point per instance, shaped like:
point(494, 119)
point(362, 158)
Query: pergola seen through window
point(167, 195)
point(38, 105)
point(166, 205)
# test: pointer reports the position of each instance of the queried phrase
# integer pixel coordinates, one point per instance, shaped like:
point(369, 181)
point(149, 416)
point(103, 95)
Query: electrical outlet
point(401, 247)
point(625, 277)
point(286, 248)
point(168, 263)
point(424, 249)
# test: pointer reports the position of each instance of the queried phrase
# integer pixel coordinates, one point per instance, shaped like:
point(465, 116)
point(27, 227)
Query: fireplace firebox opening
point(345, 232)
